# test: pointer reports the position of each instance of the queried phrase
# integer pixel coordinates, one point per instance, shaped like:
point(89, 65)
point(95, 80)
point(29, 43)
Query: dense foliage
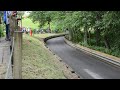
point(1, 24)
point(95, 29)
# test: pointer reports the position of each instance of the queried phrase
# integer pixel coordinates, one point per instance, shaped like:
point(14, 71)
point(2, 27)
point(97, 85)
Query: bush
point(92, 41)
point(1, 32)
point(113, 51)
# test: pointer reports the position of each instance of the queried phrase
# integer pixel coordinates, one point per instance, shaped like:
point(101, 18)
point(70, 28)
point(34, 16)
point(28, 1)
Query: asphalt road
point(88, 67)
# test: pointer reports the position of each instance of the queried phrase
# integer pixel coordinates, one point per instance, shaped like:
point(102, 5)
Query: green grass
point(27, 22)
point(38, 62)
point(2, 33)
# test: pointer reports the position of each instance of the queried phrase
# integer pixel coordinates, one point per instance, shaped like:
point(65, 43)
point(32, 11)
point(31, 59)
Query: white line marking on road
point(94, 75)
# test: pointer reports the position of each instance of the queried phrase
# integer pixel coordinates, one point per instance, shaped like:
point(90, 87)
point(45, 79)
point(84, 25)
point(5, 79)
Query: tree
point(42, 17)
point(20, 13)
point(94, 28)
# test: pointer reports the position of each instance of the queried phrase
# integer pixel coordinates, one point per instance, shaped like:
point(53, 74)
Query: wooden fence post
point(17, 69)
point(17, 53)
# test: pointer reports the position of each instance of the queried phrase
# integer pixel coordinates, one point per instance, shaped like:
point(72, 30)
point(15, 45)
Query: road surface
point(88, 67)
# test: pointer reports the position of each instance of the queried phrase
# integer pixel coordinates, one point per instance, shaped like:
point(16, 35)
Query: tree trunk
point(74, 35)
point(70, 34)
point(49, 27)
point(106, 42)
point(98, 18)
point(97, 37)
point(85, 36)
point(89, 38)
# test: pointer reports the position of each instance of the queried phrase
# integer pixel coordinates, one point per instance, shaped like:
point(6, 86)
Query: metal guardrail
point(9, 73)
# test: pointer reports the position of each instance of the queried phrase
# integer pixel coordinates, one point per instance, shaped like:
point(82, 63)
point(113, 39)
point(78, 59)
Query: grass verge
point(39, 63)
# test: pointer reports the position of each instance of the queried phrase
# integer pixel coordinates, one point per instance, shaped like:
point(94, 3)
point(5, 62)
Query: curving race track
point(88, 67)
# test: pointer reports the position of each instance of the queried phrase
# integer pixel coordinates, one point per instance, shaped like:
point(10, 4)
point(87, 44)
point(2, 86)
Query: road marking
point(94, 75)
